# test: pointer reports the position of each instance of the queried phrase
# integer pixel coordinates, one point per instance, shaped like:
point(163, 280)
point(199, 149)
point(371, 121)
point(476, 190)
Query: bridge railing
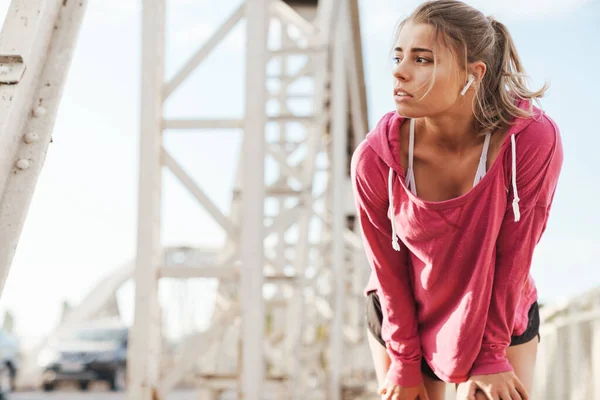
point(568, 365)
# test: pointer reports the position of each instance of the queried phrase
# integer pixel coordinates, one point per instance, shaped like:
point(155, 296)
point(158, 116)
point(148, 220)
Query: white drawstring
point(410, 175)
point(516, 199)
point(515, 203)
point(395, 243)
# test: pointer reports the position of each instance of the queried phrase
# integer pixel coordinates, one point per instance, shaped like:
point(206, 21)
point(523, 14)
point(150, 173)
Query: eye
point(421, 60)
point(396, 60)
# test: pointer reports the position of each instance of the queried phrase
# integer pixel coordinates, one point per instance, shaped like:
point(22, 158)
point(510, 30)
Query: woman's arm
point(539, 161)
point(399, 329)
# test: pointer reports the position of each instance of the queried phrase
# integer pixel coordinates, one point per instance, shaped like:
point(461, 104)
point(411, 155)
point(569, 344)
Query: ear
point(478, 70)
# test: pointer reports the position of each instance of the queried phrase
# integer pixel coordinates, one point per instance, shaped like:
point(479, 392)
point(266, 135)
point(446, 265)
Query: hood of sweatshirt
point(384, 139)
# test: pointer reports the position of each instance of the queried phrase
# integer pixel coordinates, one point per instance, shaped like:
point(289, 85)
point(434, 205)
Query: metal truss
point(287, 318)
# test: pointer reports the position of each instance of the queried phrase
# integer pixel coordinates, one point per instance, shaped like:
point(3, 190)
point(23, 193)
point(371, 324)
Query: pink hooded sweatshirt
point(457, 285)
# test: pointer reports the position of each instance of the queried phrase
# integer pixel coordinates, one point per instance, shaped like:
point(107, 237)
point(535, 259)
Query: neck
point(453, 130)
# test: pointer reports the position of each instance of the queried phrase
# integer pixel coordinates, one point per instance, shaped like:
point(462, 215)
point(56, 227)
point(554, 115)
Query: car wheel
point(84, 385)
point(13, 377)
point(119, 380)
point(48, 387)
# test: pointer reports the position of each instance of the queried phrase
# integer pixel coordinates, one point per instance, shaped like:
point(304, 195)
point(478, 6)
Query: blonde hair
point(472, 36)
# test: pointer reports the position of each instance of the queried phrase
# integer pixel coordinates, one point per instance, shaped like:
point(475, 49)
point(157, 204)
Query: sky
point(82, 220)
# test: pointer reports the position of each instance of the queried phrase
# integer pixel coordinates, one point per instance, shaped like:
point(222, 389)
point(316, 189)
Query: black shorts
point(374, 318)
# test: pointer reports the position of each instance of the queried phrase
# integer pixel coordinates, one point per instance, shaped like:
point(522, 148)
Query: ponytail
point(504, 84)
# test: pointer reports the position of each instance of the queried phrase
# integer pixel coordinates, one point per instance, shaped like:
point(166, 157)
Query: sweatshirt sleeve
point(399, 327)
point(539, 161)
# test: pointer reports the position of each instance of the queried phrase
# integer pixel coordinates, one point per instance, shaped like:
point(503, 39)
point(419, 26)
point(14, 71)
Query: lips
point(402, 93)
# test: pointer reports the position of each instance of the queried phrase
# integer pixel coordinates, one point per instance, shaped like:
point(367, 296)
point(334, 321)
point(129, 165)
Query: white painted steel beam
point(190, 272)
point(143, 368)
point(289, 16)
point(204, 51)
point(198, 193)
point(253, 203)
point(339, 159)
point(193, 124)
point(36, 47)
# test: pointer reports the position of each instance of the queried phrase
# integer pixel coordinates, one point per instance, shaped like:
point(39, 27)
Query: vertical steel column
point(253, 199)
point(144, 349)
point(338, 173)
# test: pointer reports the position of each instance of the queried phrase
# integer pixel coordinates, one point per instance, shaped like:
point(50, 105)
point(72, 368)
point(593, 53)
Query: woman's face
point(413, 70)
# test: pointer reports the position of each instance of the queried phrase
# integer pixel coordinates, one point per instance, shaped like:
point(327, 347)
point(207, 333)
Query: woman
point(453, 191)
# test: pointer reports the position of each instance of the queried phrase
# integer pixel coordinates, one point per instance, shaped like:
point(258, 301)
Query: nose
point(400, 71)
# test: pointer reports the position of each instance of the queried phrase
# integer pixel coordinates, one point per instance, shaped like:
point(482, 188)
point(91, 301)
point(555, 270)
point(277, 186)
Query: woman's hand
point(389, 391)
point(502, 386)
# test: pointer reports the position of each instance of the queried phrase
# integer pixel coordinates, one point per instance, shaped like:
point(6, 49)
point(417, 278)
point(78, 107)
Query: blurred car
point(94, 352)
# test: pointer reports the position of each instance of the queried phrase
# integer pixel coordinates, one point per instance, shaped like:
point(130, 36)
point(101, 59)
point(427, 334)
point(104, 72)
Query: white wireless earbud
point(468, 85)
